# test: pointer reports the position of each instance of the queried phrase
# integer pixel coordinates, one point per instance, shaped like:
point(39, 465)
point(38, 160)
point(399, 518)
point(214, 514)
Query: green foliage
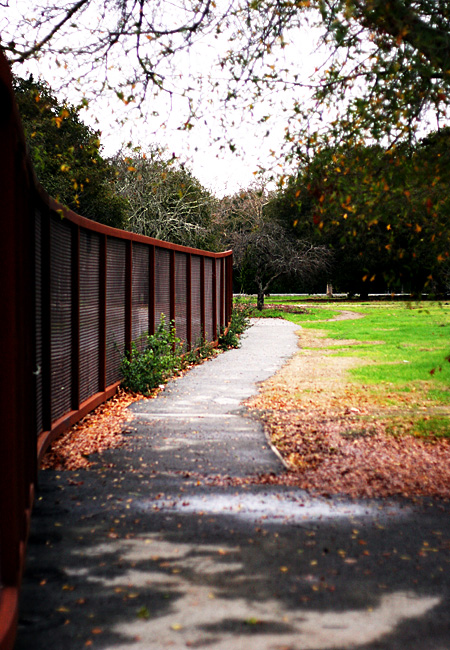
point(398, 52)
point(240, 321)
point(384, 70)
point(156, 359)
point(201, 350)
point(66, 154)
point(385, 214)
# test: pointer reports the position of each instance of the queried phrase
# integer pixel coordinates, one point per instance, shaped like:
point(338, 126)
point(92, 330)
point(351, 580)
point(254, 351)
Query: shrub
point(240, 320)
point(158, 359)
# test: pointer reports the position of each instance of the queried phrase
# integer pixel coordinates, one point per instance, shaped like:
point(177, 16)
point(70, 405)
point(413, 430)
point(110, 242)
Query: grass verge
point(403, 351)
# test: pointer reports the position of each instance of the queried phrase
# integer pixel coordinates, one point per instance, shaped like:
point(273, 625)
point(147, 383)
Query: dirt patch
point(288, 309)
point(334, 434)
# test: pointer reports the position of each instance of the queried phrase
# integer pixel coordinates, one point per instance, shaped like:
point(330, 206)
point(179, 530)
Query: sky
point(205, 147)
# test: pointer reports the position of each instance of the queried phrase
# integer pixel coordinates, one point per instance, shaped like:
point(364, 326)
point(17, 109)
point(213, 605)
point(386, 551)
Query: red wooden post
point(128, 295)
point(75, 273)
point(102, 314)
point(151, 289)
point(17, 333)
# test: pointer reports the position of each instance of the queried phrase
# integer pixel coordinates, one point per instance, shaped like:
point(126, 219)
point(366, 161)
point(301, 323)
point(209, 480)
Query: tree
point(165, 200)
point(385, 213)
point(66, 154)
point(263, 251)
point(383, 77)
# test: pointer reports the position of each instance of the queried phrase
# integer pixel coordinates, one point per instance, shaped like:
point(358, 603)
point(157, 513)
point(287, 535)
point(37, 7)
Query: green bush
point(240, 320)
point(202, 350)
point(160, 355)
point(159, 358)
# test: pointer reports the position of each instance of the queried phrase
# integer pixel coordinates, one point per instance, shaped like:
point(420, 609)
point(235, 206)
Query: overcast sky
point(205, 147)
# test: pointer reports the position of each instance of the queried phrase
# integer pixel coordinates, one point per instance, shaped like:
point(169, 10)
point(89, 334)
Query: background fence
point(74, 295)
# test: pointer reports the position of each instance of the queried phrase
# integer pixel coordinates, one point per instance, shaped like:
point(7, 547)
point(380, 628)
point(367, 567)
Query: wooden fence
point(74, 295)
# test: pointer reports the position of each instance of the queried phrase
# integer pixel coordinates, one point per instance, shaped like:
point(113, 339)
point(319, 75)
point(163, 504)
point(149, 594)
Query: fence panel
point(115, 307)
point(162, 285)
point(209, 300)
point(60, 318)
point(181, 302)
point(74, 295)
point(89, 314)
point(196, 300)
point(140, 293)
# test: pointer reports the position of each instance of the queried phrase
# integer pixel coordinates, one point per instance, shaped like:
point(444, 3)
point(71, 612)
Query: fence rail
point(74, 295)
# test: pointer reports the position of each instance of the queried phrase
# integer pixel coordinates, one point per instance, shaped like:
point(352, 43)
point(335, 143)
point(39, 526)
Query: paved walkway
point(142, 553)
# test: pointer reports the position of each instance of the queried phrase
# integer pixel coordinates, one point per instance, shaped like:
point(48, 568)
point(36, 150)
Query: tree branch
point(38, 46)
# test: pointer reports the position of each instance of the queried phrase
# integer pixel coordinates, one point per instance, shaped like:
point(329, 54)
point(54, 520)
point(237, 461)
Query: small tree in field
point(267, 253)
point(263, 249)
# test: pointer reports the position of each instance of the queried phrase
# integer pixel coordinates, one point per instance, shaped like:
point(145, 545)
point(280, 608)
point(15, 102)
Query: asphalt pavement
point(155, 548)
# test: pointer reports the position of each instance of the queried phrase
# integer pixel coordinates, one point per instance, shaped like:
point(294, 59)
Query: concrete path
point(143, 552)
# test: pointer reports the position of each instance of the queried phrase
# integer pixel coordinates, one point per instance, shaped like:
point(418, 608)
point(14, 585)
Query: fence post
point(189, 301)
point(102, 314)
point(18, 457)
point(128, 295)
point(75, 273)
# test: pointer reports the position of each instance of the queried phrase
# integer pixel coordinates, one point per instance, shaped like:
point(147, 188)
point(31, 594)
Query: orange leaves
point(100, 430)
point(336, 440)
point(62, 116)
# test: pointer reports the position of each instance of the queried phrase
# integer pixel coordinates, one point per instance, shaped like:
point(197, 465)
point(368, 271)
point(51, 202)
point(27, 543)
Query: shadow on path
point(141, 553)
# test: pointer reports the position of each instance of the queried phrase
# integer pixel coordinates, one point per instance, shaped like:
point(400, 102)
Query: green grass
point(406, 348)
point(436, 427)
point(401, 342)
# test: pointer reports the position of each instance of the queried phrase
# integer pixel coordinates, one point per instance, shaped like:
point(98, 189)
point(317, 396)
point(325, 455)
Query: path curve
point(141, 553)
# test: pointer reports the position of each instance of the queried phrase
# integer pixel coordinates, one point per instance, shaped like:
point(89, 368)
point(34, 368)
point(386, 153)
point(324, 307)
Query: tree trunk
point(260, 299)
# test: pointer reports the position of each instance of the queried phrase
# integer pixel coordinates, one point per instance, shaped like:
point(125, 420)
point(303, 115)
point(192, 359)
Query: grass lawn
point(405, 347)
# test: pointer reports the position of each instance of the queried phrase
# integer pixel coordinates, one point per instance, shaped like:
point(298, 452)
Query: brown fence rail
point(74, 295)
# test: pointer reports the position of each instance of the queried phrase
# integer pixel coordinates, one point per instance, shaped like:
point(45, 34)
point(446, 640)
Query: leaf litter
point(334, 435)
point(101, 429)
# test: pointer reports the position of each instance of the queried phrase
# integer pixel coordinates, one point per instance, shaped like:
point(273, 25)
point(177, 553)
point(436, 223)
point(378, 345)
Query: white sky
point(217, 168)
